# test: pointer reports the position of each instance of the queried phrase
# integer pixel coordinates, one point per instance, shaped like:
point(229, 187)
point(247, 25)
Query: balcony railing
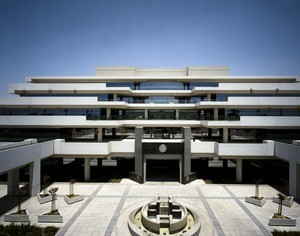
point(164, 117)
point(164, 101)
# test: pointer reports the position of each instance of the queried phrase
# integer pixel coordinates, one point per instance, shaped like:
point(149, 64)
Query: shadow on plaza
point(9, 202)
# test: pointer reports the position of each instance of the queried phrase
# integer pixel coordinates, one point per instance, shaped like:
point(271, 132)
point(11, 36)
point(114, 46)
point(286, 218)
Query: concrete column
point(294, 178)
point(114, 131)
point(87, 169)
point(136, 86)
point(100, 135)
point(35, 177)
point(209, 132)
point(298, 183)
point(180, 170)
point(145, 171)
point(225, 163)
point(115, 97)
point(239, 170)
point(216, 113)
point(177, 114)
point(108, 112)
point(209, 97)
point(12, 182)
point(186, 154)
point(225, 135)
point(138, 156)
point(146, 114)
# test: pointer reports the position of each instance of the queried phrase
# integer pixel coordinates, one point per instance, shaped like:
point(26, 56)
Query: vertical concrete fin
point(138, 158)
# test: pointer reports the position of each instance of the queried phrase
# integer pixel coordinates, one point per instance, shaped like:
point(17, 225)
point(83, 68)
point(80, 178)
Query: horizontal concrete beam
point(22, 155)
point(276, 122)
point(157, 78)
point(92, 102)
point(100, 88)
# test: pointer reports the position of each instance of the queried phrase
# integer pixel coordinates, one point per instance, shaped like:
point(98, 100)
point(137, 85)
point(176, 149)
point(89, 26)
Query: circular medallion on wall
point(162, 148)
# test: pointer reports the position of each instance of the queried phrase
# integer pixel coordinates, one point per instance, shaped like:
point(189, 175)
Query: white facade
point(213, 115)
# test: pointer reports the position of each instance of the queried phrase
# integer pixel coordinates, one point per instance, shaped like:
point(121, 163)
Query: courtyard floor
point(104, 202)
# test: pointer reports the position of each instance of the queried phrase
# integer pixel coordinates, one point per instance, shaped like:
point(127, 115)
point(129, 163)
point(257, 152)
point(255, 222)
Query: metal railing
point(163, 101)
point(164, 117)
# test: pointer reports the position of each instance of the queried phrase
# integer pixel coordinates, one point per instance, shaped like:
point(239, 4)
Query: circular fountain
point(163, 216)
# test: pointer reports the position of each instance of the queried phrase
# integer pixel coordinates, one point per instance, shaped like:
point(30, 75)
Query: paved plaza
point(104, 202)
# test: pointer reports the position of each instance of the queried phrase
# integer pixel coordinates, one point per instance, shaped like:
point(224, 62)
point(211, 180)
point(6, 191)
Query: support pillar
point(136, 86)
point(209, 132)
point(108, 113)
point(186, 155)
point(225, 163)
point(298, 183)
point(294, 178)
point(35, 177)
point(145, 171)
point(138, 157)
point(225, 135)
point(99, 135)
point(115, 97)
point(239, 170)
point(146, 114)
point(12, 182)
point(177, 114)
point(216, 113)
point(87, 169)
point(209, 97)
point(114, 131)
point(180, 170)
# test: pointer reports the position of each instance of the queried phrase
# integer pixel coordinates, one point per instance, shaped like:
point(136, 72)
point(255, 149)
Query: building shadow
point(9, 202)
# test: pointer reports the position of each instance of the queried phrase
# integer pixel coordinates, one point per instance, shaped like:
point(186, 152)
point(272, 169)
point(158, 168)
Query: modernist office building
point(151, 115)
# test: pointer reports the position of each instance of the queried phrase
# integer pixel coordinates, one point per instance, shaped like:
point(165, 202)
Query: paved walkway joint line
point(66, 227)
point(210, 213)
point(117, 212)
point(248, 212)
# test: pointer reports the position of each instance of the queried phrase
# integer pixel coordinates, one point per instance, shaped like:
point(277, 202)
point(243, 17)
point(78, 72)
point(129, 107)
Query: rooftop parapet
point(188, 71)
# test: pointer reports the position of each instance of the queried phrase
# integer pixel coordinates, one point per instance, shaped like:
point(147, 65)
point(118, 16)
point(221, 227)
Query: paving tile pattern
point(103, 203)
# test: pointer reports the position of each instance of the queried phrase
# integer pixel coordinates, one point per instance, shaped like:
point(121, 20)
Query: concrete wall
point(291, 153)
point(96, 149)
point(249, 149)
point(258, 87)
point(16, 157)
point(80, 121)
point(92, 88)
point(92, 102)
point(133, 71)
point(115, 71)
point(273, 121)
point(208, 71)
point(253, 103)
point(199, 148)
point(56, 88)
point(23, 155)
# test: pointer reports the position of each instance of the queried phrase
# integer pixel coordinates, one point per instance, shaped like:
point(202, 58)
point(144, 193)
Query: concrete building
point(151, 116)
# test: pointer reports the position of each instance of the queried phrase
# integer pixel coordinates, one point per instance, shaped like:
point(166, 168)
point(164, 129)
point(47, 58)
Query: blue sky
point(72, 37)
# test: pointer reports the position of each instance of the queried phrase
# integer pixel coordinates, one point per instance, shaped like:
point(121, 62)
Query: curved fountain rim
point(122, 222)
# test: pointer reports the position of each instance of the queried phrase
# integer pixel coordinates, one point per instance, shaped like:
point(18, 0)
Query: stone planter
point(71, 200)
point(50, 218)
point(287, 221)
point(289, 202)
point(45, 199)
point(14, 217)
point(254, 201)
